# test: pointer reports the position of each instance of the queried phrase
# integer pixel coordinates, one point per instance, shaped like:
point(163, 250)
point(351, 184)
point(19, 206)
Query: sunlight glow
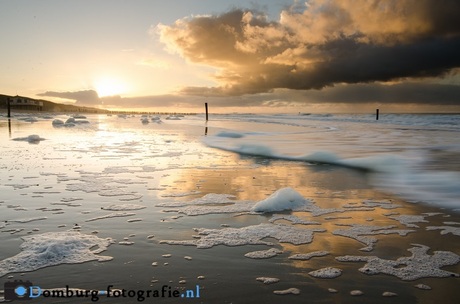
point(107, 86)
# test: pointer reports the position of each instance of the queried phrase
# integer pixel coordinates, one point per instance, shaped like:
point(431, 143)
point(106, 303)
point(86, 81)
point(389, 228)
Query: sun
point(109, 87)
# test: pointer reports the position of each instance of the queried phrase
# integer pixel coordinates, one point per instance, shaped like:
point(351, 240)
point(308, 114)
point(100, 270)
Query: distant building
point(25, 103)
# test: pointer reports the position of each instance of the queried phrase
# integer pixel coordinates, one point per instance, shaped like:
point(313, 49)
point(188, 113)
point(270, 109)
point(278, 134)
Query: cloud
point(400, 93)
point(320, 44)
point(421, 93)
point(87, 97)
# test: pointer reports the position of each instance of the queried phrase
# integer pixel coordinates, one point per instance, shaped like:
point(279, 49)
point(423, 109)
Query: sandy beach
point(114, 201)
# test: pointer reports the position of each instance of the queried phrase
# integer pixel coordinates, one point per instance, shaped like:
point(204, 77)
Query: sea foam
point(54, 248)
point(283, 199)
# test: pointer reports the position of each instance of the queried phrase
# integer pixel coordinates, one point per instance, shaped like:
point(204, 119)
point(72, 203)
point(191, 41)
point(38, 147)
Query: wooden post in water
point(9, 126)
point(206, 107)
point(377, 114)
point(8, 106)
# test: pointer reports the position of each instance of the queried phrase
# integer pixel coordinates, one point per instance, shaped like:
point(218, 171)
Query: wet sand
point(119, 162)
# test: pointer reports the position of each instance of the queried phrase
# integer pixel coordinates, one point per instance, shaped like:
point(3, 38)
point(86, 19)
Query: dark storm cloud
point(403, 93)
point(323, 44)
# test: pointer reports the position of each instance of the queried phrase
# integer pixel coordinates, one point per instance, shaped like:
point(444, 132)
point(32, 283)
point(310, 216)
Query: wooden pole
point(377, 114)
point(9, 126)
point(206, 107)
point(9, 107)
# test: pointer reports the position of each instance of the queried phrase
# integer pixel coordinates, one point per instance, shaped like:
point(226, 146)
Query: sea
point(242, 208)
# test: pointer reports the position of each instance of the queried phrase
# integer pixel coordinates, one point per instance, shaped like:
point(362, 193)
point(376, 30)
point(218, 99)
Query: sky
point(282, 56)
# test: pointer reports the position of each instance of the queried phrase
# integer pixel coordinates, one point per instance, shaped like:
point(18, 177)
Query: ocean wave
point(401, 174)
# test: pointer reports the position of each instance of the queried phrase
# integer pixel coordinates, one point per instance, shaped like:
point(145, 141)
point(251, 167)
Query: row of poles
point(205, 106)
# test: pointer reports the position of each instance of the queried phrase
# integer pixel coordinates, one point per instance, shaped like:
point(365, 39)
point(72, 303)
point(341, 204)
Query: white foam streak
point(401, 173)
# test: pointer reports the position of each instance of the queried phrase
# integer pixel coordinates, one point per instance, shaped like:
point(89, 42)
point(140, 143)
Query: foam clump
point(419, 265)
point(294, 291)
point(382, 204)
point(356, 292)
point(445, 229)
point(408, 219)
point(282, 199)
point(307, 256)
point(28, 220)
point(111, 215)
point(250, 235)
point(291, 218)
point(389, 294)
point(55, 248)
point(423, 286)
point(326, 273)
point(263, 254)
point(202, 210)
point(127, 243)
point(123, 207)
point(32, 139)
point(267, 280)
point(359, 232)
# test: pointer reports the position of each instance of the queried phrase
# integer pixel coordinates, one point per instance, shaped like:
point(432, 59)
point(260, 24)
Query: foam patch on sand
point(307, 256)
point(419, 265)
point(294, 291)
point(69, 204)
point(409, 220)
point(238, 207)
point(123, 207)
point(182, 194)
point(359, 232)
point(250, 235)
point(291, 218)
point(326, 273)
point(445, 229)
point(263, 254)
point(55, 248)
point(374, 203)
point(120, 192)
point(267, 280)
point(111, 215)
point(28, 220)
point(211, 203)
